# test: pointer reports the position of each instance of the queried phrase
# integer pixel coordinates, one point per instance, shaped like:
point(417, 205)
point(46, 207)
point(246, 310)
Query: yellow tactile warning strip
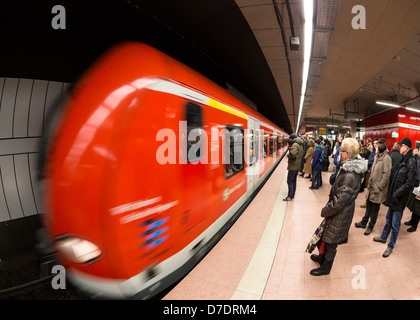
point(254, 280)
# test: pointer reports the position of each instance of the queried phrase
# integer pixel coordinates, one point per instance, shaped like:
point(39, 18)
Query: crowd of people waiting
point(390, 178)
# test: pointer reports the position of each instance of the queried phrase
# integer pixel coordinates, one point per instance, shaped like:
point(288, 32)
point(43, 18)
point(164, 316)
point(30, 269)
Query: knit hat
point(406, 141)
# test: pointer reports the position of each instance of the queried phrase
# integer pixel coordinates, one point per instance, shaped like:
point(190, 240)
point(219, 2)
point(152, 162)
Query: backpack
point(323, 158)
point(329, 150)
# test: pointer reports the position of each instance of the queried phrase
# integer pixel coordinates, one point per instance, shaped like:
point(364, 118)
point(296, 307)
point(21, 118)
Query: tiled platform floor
point(263, 255)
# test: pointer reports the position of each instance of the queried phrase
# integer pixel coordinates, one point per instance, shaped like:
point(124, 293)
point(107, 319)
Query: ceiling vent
point(353, 116)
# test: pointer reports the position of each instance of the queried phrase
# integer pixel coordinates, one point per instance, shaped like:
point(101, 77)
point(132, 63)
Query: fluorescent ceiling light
point(308, 6)
point(415, 110)
point(388, 104)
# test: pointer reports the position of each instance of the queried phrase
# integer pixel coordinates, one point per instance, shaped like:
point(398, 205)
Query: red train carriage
point(393, 125)
point(148, 164)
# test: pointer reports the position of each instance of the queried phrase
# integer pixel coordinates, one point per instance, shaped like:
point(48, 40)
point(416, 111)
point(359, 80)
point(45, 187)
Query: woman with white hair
point(339, 210)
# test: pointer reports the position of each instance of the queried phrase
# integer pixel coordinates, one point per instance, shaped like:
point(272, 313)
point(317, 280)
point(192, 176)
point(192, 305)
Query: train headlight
point(78, 250)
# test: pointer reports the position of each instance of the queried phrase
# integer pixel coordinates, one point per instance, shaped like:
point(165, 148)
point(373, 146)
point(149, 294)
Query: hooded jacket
point(295, 155)
point(339, 210)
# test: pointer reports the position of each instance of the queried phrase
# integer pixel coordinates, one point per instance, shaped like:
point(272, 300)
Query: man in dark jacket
point(402, 185)
point(294, 162)
point(339, 210)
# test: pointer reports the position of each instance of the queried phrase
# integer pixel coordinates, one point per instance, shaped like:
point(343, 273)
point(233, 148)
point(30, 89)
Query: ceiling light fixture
point(411, 109)
point(388, 104)
point(308, 6)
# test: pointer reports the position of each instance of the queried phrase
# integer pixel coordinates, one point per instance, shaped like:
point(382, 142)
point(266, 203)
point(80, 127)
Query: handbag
point(316, 237)
point(332, 178)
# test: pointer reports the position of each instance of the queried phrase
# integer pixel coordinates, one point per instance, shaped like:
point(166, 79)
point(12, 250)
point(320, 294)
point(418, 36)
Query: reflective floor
point(263, 255)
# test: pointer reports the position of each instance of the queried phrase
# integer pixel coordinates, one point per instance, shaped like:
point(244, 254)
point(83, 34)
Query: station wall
point(24, 105)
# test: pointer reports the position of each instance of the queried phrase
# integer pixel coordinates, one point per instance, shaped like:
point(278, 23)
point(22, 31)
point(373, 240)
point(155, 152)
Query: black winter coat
point(403, 183)
point(396, 158)
point(339, 210)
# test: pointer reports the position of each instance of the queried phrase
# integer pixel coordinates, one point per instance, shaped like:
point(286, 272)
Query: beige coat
point(308, 161)
point(379, 178)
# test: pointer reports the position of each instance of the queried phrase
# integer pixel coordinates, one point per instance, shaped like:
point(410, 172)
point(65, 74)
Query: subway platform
point(262, 257)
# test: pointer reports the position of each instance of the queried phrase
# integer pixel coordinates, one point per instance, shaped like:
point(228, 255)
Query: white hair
point(351, 146)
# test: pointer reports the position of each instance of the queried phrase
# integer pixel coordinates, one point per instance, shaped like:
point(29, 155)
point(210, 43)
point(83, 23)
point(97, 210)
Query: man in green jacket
point(295, 156)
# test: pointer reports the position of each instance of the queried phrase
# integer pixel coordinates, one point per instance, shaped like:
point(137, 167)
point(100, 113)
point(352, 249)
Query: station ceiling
point(237, 43)
point(350, 68)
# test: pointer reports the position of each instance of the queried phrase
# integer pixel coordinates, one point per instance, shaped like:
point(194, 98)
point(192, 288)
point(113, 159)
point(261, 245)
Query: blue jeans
point(316, 178)
point(393, 224)
point(291, 183)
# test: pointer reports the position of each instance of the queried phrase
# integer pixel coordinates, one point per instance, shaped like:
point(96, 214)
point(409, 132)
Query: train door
point(274, 142)
point(252, 153)
point(193, 171)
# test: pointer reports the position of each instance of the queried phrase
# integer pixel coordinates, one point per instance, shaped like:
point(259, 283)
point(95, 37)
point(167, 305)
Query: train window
point(257, 145)
point(234, 151)
point(194, 132)
point(251, 148)
point(271, 145)
point(265, 145)
point(262, 148)
point(274, 141)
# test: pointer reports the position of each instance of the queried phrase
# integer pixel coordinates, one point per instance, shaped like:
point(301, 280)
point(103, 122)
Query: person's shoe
point(368, 231)
point(387, 252)
point(323, 270)
point(360, 225)
point(318, 258)
point(363, 205)
point(408, 223)
point(287, 199)
point(412, 229)
point(379, 239)
point(308, 177)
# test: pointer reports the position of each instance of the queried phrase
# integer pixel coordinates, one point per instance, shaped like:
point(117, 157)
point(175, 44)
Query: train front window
point(234, 150)
point(194, 118)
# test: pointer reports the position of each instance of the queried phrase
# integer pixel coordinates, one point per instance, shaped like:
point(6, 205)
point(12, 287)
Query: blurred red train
point(140, 176)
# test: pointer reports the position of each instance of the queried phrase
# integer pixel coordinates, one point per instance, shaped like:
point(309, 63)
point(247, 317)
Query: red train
point(148, 164)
